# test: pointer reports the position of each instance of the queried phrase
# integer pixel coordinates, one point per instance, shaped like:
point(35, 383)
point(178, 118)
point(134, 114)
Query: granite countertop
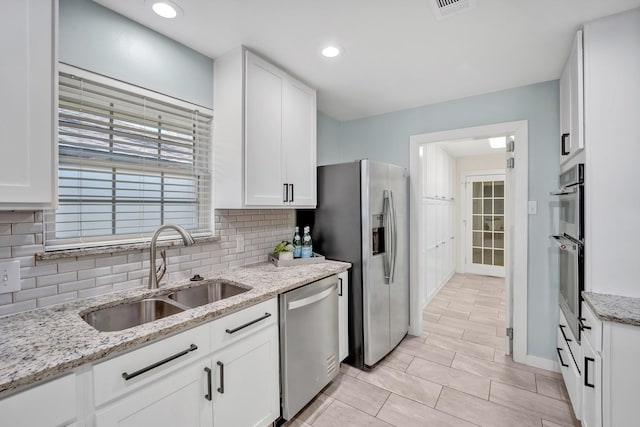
point(614, 308)
point(46, 342)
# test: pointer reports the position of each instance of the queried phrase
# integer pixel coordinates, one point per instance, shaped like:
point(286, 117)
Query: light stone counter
point(47, 342)
point(614, 308)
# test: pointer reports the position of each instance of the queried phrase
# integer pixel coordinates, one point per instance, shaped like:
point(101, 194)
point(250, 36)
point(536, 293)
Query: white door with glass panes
point(485, 224)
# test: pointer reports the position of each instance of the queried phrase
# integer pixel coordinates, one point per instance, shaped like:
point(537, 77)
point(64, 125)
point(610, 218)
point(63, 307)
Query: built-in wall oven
point(568, 248)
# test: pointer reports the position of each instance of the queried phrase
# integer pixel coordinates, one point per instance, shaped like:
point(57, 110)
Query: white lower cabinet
point(177, 399)
point(611, 376)
point(50, 404)
point(246, 391)
point(231, 379)
point(591, 386)
point(343, 315)
point(569, 356)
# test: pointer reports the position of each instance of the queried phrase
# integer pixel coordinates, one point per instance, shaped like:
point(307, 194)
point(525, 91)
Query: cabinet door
point(29, 109)
point(431, 171)
point(264, 168)
point(177, 399)
point(572, 103)
point(55, 402)
point(577, 96)
point(591, 386)
point(299, 142)
point(343, 315)
point(565, 112)
point(246, 390)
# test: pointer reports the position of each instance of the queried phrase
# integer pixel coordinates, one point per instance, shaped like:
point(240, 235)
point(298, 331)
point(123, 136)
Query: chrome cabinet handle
point(558, 349)
point(208, 396)
point(127, 376)
point(234, 330)
point(291, 188)
point(285, 193)
point(221, 388)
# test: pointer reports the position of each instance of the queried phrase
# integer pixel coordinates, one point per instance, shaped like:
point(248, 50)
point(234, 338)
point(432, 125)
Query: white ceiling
point(397, 55)
point(470, 148)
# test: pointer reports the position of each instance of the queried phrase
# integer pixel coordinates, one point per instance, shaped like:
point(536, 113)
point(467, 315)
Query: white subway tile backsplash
point(13, 217)
point(55, 279)
point(85, 264)
point(17, 307)
point(5, 252)
point(125, 268)
point(26, 228)
point(77, 285)
point(111, 279)
point(24, 251)
point(112, 260)
point(57, 299)
point(246, 236)
point(34, 293)
point(129, 284)
point(92, 292)
point(39, 270)
point(94, 272)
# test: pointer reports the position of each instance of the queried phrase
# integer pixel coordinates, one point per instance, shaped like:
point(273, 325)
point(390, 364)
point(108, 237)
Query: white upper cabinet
point(572, 103)
point(28, 112)
point(612, 148)
point(264, 135)
point(299, 142)
point(264, 167)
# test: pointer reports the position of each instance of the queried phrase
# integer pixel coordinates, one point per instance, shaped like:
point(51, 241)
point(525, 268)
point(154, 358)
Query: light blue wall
point(97, 39)
point(386, 138)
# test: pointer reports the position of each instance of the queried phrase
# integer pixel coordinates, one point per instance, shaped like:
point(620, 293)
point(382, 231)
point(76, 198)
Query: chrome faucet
point(156, 275)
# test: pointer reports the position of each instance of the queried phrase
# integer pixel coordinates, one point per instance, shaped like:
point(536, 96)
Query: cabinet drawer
point(570, 374)
point(51, 403)
point(147, 364)
point(591, 327)
point(571, 343)
point(242, 323)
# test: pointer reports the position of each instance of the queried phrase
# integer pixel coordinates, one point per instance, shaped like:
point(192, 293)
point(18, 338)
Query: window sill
point(113, 249)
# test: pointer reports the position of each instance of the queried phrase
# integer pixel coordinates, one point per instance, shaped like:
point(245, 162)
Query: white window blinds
point(128, 163)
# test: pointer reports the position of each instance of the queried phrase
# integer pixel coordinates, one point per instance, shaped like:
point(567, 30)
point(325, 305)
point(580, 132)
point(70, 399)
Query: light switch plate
point(533, 207)
point(9, 276)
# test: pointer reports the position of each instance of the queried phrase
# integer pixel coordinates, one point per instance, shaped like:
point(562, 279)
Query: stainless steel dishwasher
point(308, 342)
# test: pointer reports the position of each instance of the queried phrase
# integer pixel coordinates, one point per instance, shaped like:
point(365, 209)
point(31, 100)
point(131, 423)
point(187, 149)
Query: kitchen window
point(130, 160)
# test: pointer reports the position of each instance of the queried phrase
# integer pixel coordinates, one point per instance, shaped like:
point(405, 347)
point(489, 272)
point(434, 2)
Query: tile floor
point(455, 374)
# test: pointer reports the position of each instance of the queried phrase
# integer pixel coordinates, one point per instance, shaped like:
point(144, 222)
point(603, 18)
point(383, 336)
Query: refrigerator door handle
point(389, 215)
point(394, 237)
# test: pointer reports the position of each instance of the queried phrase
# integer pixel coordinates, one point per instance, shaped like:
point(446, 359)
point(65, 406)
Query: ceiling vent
point(445, 8)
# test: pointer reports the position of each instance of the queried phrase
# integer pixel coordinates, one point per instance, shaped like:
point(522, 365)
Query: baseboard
point(542, 363)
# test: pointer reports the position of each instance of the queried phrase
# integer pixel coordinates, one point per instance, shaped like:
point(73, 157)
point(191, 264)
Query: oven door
point(572, 211)
point(569, 258)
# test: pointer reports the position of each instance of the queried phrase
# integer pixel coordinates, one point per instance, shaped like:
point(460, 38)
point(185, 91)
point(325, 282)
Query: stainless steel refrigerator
point(362, 218)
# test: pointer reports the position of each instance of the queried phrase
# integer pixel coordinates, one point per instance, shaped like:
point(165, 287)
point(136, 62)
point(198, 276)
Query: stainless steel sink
point(206, 293)
point(125, 316)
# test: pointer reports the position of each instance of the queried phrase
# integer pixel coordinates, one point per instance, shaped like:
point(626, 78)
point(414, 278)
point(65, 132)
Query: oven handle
point(564, 243)
point(566, 191)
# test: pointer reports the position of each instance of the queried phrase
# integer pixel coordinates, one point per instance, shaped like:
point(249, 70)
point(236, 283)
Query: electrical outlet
point(9, 276)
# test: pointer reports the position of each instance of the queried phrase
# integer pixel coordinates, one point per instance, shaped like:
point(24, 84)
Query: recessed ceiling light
point(166, 9)
point(331, 51)
point(499, 142)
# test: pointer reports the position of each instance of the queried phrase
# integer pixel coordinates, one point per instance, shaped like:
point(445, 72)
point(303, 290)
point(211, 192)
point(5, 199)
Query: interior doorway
point(483, 212)
point(514, 224)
